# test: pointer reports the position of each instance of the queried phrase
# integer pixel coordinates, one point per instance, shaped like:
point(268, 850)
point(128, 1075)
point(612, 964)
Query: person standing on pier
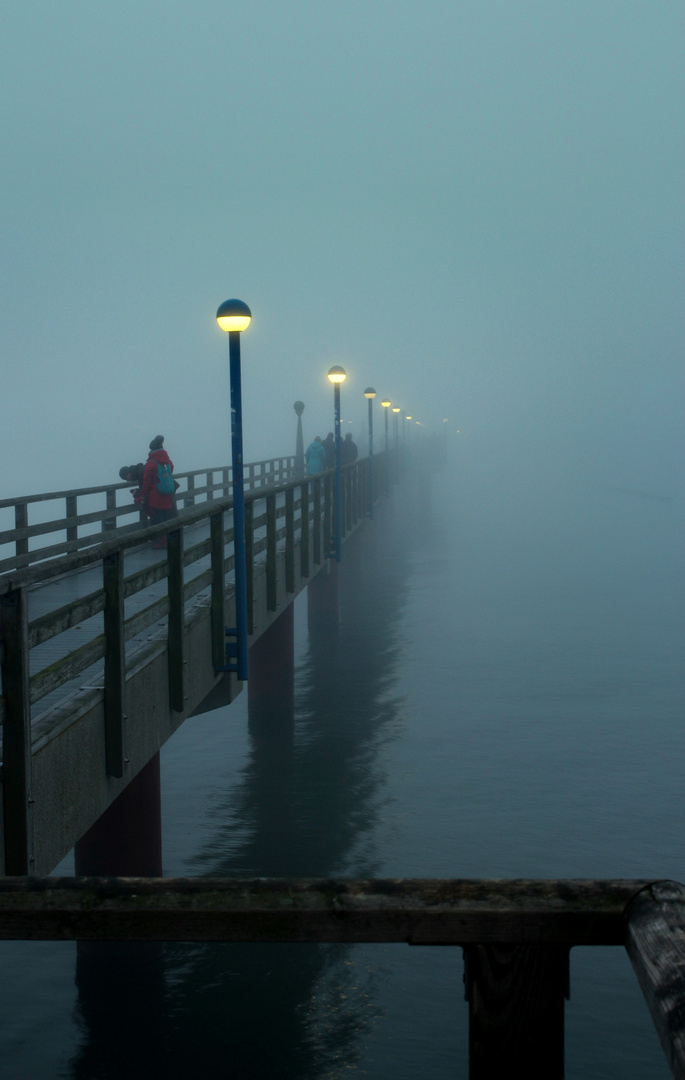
point(158, 488)
point(315, 456)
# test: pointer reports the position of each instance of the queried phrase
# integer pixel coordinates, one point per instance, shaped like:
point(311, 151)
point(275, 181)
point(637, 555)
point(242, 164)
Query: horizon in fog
point(476, 209)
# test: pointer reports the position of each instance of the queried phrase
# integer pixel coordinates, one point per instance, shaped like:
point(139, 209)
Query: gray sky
point(476, 207)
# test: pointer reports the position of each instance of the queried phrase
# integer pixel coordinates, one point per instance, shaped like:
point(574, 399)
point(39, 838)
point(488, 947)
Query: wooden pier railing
point(279, 520)
point(516, 937)
point(71, 528)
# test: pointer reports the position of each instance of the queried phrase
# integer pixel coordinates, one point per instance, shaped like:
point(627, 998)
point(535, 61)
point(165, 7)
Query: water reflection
point(306, 805)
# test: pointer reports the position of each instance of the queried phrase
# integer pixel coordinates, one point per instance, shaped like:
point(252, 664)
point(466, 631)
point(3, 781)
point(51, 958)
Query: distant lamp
point(386, 405)
point(370, 394)
point(234, 315)
point(337, 376)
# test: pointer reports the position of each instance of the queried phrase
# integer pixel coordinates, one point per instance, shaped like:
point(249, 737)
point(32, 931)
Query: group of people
point(156, 490)
point(320, 454)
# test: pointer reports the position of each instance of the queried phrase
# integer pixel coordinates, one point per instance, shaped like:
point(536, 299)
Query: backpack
point(165, 480)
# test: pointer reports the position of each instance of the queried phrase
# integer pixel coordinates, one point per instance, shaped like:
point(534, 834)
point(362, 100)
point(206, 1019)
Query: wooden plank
point(419, 912)
point(66, 617)
point(176, 621)
point(655, 940)
point(17, 791)
point(115, 662)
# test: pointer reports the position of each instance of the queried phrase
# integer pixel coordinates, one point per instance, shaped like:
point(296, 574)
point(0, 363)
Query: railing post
point(304, 529)
point(115, 662)
point(176, 619)
point(329, 545)
point(189, 498)
point(110, 523)
point(516, 999)
point(210, 486)
point(290, 540)
point(271, 587)
point(71, 502)
point(317, 521)
point(249, 563)
point(227, 485)
point(18, 797)
point(218, 590)
point(21, 521)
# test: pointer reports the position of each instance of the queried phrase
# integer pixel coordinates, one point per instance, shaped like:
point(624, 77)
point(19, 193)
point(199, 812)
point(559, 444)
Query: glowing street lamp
point(386, 405)
point(337, 375)
point(370, 394)
point(234, 316)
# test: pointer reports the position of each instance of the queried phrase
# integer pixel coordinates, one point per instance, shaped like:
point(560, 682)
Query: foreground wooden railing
point(72, 530)
point(516, 936)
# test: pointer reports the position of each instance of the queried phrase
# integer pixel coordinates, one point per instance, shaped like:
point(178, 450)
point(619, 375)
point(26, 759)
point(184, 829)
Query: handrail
point(258, 475)
point(529, 924)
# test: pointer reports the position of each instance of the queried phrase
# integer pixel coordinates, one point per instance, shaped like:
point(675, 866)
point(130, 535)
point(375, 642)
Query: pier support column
point(516, 997)
point(271, 686)
point(121, 984)
point(126, 841)
point(323, 601)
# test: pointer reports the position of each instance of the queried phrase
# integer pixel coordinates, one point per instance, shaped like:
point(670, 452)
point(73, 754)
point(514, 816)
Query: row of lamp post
point(234, 316)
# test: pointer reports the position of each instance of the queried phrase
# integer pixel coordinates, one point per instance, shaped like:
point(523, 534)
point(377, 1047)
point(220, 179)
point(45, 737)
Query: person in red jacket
point(158, 504)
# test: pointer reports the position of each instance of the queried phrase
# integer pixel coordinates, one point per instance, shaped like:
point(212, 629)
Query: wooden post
point(115, 662)
point(328, 513)
point(18, 797)
point(516, 1010)
point(317, 521)
point(72, 512)
point(189, 499)
point(21, 521)
point(655, 940)
point(271, 584)
point(304, 529)
point(111, 498)
point(176, 631)
point(249, 563)
point(227, 486)
point(218, 590)
point(290, 540)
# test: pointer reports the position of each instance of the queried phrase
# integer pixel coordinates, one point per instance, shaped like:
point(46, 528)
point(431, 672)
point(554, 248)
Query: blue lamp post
point(337, 375)
point(370, 394)
point(385, 403)
point(396, 411)
point(234, 316)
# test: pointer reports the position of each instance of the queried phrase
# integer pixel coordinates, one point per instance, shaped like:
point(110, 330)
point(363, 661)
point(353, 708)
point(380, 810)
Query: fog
point(476, 208)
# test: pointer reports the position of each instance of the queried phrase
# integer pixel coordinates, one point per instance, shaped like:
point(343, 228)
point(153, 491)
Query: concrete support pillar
point(271, 686)
point(126, 841)
point(121, 984)
point(323, 601)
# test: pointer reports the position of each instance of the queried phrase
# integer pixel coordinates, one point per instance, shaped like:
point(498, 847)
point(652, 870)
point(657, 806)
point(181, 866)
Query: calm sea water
point(503, 697)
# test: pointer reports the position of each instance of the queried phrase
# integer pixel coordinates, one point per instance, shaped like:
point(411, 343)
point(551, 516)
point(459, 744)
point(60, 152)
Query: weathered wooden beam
point(655, 940)
point(419, 912)
point(17, 795)
point(176, 623)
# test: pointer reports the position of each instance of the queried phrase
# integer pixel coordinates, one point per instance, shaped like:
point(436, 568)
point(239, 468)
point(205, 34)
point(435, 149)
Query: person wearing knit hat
point(158, 504)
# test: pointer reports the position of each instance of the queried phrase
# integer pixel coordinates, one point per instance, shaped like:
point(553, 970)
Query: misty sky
point(476, 207)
